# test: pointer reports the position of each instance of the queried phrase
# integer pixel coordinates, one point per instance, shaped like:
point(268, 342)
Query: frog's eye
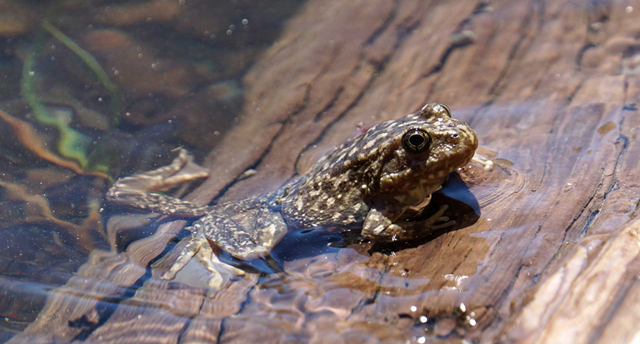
point(446, 110)
point(433, 109)
point(416, 140)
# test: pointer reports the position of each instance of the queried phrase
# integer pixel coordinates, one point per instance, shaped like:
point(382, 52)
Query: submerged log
point(552, 91)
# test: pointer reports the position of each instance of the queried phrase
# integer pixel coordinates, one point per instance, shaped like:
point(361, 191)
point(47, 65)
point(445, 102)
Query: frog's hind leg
point(199, 247)
point(196, 242)
point(136, 191)
point(261, 230)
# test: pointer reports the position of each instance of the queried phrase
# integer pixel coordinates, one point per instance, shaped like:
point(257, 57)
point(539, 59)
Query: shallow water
point(96, 90)
point(123, 84)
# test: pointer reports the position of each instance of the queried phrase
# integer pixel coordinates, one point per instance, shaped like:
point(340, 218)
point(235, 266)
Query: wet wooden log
point(552, 90)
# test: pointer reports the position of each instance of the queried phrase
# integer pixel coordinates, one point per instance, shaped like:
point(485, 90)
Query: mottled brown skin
point(368, 182)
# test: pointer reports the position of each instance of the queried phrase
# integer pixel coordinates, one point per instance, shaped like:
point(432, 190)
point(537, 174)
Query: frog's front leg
point(136, 191)
point(380, 223)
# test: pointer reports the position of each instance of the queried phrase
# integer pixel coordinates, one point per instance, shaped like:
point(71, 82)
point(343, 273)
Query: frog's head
point(423, 148)
point(406, 159)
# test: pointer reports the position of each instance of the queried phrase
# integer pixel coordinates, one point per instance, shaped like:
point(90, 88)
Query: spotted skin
point(369, 182)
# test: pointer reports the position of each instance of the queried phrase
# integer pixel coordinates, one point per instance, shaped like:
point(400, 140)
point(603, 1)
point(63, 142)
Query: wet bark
point(552, 90)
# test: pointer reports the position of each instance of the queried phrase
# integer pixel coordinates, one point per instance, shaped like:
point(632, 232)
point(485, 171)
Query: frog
point(375, 182)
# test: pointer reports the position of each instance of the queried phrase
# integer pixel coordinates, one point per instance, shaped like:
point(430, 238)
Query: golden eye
point(416, 140)
point(433, 109)
point(446, 109)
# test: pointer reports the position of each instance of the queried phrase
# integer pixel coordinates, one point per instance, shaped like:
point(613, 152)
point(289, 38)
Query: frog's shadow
point(311, 242)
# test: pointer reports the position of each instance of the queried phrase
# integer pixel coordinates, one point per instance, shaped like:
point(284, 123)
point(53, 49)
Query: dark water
point(91, 91)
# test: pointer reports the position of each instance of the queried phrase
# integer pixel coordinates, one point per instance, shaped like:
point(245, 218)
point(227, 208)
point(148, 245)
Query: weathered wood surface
point(550, 87)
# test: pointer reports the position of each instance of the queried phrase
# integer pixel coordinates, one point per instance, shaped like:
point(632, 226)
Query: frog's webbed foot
point(413, 230)
point(218, 269)
point(135, 191)
point(199, 247)
point(433, 220)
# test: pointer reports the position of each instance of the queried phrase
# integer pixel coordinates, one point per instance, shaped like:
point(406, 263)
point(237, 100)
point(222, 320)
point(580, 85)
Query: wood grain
point(552, 90)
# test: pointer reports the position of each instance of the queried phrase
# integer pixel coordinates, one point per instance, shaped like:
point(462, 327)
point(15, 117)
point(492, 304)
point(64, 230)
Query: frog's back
point(379, 164)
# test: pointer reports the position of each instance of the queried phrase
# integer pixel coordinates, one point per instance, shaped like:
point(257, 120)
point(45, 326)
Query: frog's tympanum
point(372, 182)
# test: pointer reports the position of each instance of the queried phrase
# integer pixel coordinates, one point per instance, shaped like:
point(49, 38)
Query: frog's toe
point(213, 264)
point(193, 246)
point(443, 219)
point(185, 170)
point(438, 216)
point(168, 275)
point(221, 273)
point(216, 281)
point(182, 160)
point(444, 225)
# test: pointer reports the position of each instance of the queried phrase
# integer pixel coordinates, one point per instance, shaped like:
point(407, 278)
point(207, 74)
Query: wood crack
point(593, 214)
point(307, 95)
point(382, 28)
point(496, 89)
point(334, 121)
